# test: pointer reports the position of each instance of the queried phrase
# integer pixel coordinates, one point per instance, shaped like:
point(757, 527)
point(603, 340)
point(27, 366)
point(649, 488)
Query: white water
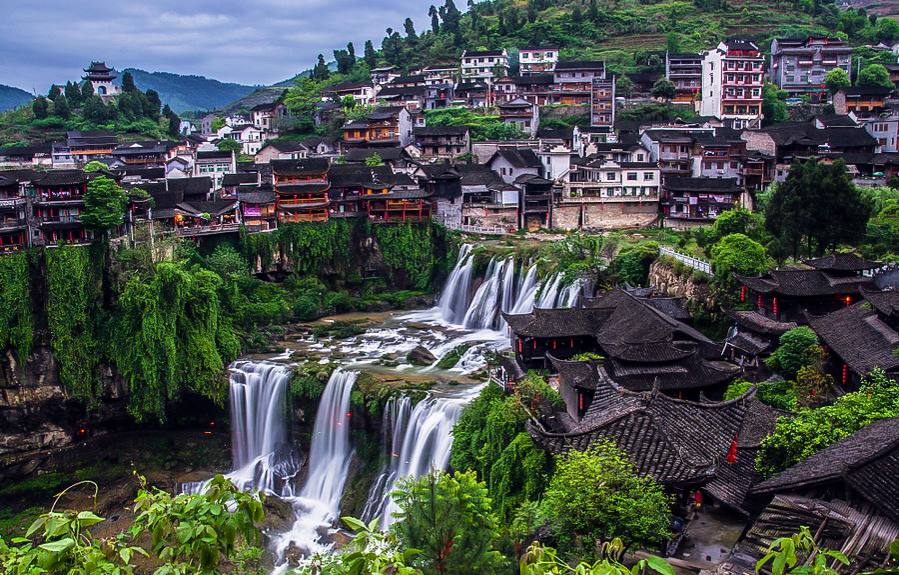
point(453, 301)
point(318, 504)
point(420, 441)
point(262, 458)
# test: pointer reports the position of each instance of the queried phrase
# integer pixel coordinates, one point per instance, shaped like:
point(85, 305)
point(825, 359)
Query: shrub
point(794, 351)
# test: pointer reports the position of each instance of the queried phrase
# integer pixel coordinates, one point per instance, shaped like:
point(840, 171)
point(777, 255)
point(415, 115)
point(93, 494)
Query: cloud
point(256, 42)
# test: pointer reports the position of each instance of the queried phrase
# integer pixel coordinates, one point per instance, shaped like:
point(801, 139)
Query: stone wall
point(663, 277)
point(607, 215)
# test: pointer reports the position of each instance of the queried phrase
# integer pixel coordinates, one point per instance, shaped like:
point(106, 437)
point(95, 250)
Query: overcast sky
point(245, 41)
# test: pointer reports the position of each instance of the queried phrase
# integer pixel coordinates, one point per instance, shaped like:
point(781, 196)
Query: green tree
point(302, 100)
point(374, 160)
point(229, 145)
point(816, 204)
point(672, 43)
point(596, 495)
point(104, 204)
point(449, 519)
point(73, 94)
point(40, 107)
point(794, 351)
point(875, 75)
point(87, 90)
point(632, 264)
point(738, 254)
point(217, 124)
point(624, 86)
point(738, 221)
point(541, 560)
point(94, 166)
point(320, 71)
point(836, 79)
point(128, 83)
point(664, 89)
point(61, 107)
point(54, 92)
point(774, 105)
point(369, 54)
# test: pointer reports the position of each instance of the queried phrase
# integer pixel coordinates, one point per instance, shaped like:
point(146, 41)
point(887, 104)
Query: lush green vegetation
point(811, 430)
point(482, 125)
point(213, 532)
point(16, 316)
point(779, 394)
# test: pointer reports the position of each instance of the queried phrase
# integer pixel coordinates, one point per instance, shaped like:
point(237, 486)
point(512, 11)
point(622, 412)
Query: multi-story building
point(102, 80)
point(696, 201)
point(302, 189)
point(537, 60)
point(521, 113)
point(386, 126)
point(574, 81)
point(82, 147)
point(602, 102)
point(362, 92)
point(215, 164)
point(142, 153)
point(13, 216)
point(485, 65)
point(862, 101)
point(685, 72)
point(57, 206)
point(801, 66)
point(732, 83)
point(438, 74)
point(535, 88)
point(267, 116)
point(601, 193)
point(384, 75)
point(445, 142)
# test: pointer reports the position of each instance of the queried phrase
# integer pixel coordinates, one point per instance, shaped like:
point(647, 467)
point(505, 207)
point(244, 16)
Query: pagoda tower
point(101, 78)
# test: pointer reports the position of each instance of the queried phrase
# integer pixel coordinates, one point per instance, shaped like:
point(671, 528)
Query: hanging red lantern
point(844, 376)
point(774, 306)
point(743, 294)
point(732, 452)
point(759, 302)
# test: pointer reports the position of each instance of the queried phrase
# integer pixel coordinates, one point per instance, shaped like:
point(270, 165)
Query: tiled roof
point(843, 262)
point(798, 282)
point(440, 131)
point(238, 179)
point(761, 324)
point(860, 336)
point(306, 166)
point(519, 157)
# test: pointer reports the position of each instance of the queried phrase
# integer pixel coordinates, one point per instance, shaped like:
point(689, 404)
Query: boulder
point(420, 356)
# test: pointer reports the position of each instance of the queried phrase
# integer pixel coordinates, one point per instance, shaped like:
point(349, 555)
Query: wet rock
point(420, 356)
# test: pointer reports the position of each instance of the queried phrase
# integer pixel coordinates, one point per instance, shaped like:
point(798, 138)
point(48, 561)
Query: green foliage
point(836, 79)
point(786, 555)
point(595, 495)
point(197, 533)
point(632, 263)
point(793, 352)
point(774, 106)
point(738, 254)
point(816, 204)
point(656, 112)
point(451, 358)
point(541, 560)
point(94, 166)
point(664, 88)
point(449, 520)
point(739, 221)
point(374, 160)
point(811, 430)
point(16, 316)
point(104, 204)
point(72, 297)
point(370, 551)
point(874, 75)
point(170, 336)
point(229, 145)
point(40, 107)
point(309, 379)
point(483, 126)
point(779, 394)
point(408, 250)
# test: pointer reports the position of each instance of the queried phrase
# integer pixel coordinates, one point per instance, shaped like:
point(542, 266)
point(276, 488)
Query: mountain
point(183, 93)
point(12, 97)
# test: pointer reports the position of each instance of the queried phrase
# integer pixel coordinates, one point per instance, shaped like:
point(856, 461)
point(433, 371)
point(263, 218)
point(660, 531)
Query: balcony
point(194, 231)
point(12, 224)
point(302, 203)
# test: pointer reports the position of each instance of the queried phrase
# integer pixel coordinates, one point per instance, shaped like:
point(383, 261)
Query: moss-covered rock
point(309, 379)
point(450, 360)
point(374, 389)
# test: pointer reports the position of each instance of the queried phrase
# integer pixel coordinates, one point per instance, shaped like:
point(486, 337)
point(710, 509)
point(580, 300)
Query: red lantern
point(759, 303)
point(580, 400)
point(732, 452)
point(774, 305)
point(743, 294)
point(844, 376)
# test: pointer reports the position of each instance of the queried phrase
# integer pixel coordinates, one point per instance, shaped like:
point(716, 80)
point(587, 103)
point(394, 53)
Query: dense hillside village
point(541, 289)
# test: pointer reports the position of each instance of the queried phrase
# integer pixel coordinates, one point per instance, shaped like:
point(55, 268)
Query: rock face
point(38, 416)
point(663, 278)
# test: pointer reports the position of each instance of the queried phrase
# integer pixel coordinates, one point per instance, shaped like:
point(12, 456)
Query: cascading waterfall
point(527, 289)
point(420, 441)
point(393, 427)
point(453, 302)
point(262, 458)
point(549, 293)
point(482, 312)
point(318, 504)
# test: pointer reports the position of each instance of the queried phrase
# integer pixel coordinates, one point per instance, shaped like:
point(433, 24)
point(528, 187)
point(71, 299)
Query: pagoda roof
point(860, 336)
point(845, 262)
point(676, 442)
point(303, 167)
point(758, 323)
point(62, 178)
point(239, 179)
point(867, 461)
point(799, 282)
point(886, 302)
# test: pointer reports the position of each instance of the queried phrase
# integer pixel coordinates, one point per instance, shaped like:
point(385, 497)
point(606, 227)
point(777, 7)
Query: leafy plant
point(785, 553)
point(541, 560)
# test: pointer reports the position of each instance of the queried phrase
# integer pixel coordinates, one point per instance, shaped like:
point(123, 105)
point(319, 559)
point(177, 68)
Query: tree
point(128, 83)
point(738, 221)
point(672, 43)
point(153, 103)
point(624, 86)
point(409, 28)
point(577, 16)
point(793, 351)
point(448, 518)
point(374, 160)
point(351, 50)
point(738, 254)
point(173, 129)
point(816, 204)
point(371, 57)
point(836, 79)
point(664, 89)
point(596, 495)
point(302, 100)
point(593, 11)
point(40, 107)
point(54, 92)
point(94, 166)
point(217, 124)
point(774, 105)
point(87, 90)
point(61, 107)
point(229, 145)
point(320, 71)
point(435, 19)
point(874, 75)
point(104, 205)
point(73, 93)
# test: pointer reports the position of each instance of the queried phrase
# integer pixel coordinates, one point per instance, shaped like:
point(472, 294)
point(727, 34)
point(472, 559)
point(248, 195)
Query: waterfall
point(393, 428)
point(549, 292)
point(420, 441)
point(571, 294)
point(318, 504)
point(262, 458)
point(527, 289)
point(453, 301)
point(483, 309)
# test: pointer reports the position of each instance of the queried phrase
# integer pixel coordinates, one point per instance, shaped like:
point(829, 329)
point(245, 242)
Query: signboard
point(250, 211)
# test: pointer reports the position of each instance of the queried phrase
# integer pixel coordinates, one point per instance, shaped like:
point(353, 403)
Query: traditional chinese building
point(302, 188)
point(102, 79)
point(258, 207)
point(58, 203)
point(13, 217)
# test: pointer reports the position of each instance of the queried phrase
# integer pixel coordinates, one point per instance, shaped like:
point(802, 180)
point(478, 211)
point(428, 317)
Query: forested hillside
point(183, 93)
point(12, 97)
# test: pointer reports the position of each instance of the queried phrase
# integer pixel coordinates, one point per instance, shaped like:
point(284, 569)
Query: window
point(649, 176)
point(610, 176)
point(639, 157)
point(632, 176)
